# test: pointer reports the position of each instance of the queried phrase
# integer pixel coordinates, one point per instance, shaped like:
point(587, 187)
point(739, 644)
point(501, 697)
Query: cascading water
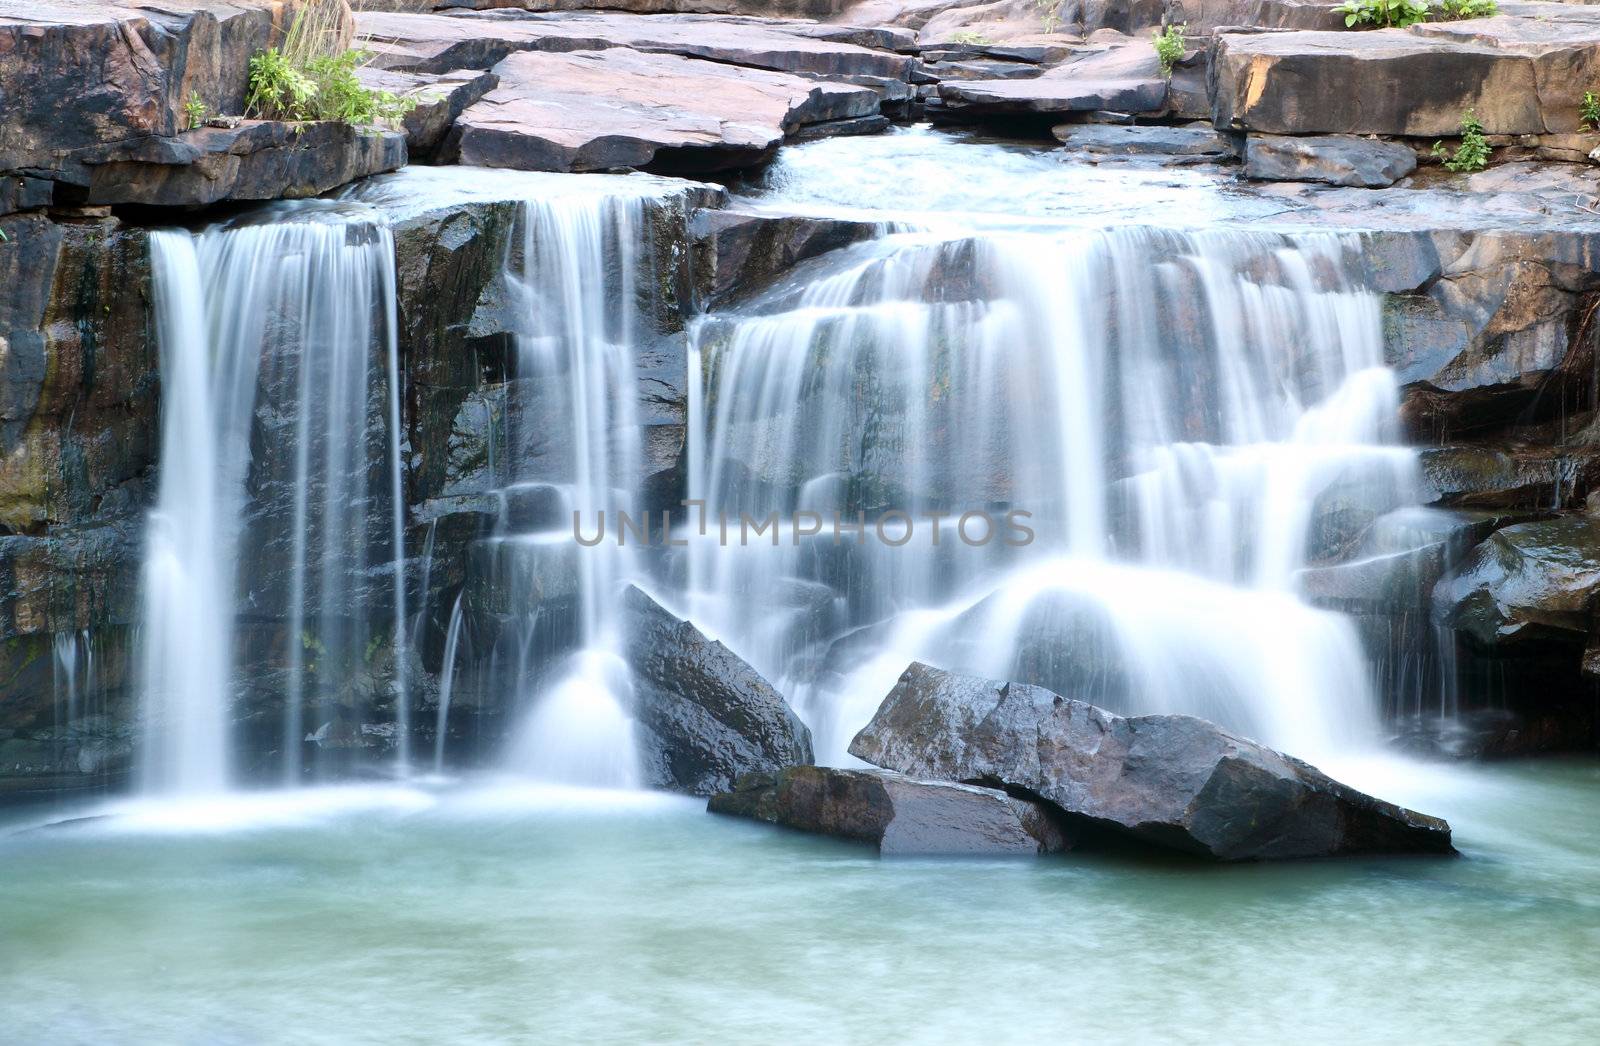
point(275, 535)
point(1187, 418)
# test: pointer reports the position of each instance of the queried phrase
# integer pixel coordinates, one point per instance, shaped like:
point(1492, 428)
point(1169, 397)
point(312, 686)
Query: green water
point(489, 912)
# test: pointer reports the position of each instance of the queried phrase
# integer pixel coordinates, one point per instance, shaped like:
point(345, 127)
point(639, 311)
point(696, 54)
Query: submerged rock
point(704, 716)
point(897, 814)
point(1337, 159)
point(1174, 781)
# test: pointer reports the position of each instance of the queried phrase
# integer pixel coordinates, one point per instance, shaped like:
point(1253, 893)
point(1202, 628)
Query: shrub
point(311, 77)
point(1589, 110)
point(1473, 152)
point(1383, 14)
point(1169, 47)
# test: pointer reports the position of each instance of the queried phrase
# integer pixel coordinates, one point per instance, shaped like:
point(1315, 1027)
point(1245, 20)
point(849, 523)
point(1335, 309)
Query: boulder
point(1531, 581)
point(899, 815)
point(1172, 780)
point(603, 110)
point(1339, 159)
point(703, 715)
point(254, 160)
point(1519, 74)
point(82, 75)
point(1491, 478)
point(440, 99)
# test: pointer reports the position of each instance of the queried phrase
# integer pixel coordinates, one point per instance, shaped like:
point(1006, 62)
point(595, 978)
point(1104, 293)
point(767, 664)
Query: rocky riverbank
point(1492, 281)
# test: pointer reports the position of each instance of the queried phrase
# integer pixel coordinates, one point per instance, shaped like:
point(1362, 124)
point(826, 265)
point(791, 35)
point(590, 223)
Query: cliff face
point(1493, 282)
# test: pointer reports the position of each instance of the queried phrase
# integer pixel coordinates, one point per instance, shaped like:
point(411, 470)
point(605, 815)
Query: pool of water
point(499, 911)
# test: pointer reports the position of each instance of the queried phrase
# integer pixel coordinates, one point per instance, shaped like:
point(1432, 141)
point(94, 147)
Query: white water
point(269, 329)
point(1179, 412)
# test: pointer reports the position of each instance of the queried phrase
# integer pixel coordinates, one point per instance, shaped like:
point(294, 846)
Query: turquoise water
point(495, 911)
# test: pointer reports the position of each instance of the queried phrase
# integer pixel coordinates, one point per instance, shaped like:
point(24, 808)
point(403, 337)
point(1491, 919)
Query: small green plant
point(313, 77)
point(1473, 152)
point(1383, 14)
point(1458, 10)
point(1589, 110)
point(969, 38)
point(195, 111)
point(1169, 47)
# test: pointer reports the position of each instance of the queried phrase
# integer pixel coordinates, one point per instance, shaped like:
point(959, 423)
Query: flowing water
point(280, 392)
point(1193, 416)
point(1186, 418)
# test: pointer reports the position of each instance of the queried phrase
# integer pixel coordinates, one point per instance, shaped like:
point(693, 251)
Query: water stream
point(279, 482)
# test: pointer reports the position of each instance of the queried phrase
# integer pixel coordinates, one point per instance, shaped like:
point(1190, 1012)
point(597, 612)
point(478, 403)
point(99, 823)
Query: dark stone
point(1174, 781)
point(739, 253)
point(256, 160)
point(1531, 581)
point(704, 716)
point(1338, 159)
point(899, 815)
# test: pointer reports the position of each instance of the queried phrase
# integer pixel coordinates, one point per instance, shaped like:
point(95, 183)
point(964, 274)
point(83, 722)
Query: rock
point(899, 815)
point(435, 43)
point(740, 253)
point(1174, 781)
point(1124, 79)
point(21, 193)
point(440, 99)
point(255, 160)
point(82, 75)
point(1487, 477)
point(1334, 159)
point(704, 716)
point(602, 110)
point(1519, 74)
point(1180, 144)
point(1531, 581)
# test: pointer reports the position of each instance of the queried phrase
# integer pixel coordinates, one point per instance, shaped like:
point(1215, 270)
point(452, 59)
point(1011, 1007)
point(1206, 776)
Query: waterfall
point(279, 485)
point(573, 447)
point(1187, 419)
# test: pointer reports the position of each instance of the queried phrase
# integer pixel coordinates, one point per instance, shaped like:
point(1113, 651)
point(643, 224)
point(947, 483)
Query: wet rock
point(740, 253)
point(603, 110)
point(21, 193)
point(1528, 582)
point(1491, 478)
point(255, 160)
point(1180, 144)
point(1333, 159)
point(78, 393)
point(440, 99)
point(1173, 781)
point(704, 716)
point(899, 815)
